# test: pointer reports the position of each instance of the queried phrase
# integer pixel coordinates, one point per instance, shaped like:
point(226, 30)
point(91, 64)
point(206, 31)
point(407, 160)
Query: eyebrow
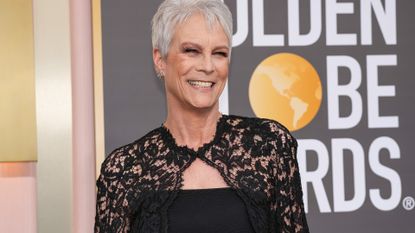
point(199, 46)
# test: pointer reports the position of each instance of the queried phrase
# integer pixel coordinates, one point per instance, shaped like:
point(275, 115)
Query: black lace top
point(209, 210)
point(256, 157)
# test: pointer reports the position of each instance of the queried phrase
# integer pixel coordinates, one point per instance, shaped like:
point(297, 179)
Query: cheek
point(176, 65)
point(223, 69)
point(183, 67)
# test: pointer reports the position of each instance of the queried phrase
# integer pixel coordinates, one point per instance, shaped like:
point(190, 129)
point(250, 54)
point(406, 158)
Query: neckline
point(171, 141)
point(205, 190)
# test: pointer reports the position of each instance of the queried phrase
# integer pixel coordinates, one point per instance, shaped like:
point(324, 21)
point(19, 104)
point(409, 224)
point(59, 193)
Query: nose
point(207, 65)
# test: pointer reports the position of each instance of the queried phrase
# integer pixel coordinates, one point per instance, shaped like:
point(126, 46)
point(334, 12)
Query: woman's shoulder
point(264, 127)
point(126, 156)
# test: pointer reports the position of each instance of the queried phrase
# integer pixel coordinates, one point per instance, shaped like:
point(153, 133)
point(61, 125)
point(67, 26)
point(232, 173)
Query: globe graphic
point(285, 87)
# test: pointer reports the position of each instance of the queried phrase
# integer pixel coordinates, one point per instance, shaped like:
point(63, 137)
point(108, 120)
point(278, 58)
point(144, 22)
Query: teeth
point(200, 83)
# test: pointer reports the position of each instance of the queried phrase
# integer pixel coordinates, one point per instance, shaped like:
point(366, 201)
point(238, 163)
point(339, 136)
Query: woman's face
point(196, 67)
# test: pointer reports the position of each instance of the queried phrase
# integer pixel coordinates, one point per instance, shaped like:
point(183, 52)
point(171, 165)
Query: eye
point(190, 50)
point(221, 53)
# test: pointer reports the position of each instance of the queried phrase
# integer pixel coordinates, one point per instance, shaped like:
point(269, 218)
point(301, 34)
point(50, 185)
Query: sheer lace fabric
point(256, 157)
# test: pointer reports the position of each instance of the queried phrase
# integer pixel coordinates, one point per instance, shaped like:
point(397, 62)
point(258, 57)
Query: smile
point(201, 84)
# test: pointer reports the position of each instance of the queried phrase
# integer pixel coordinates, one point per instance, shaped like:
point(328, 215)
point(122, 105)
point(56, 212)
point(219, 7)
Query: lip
point(201, 84)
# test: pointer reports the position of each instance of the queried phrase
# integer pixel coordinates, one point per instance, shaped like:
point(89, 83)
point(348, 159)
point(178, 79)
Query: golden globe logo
point(286, 87)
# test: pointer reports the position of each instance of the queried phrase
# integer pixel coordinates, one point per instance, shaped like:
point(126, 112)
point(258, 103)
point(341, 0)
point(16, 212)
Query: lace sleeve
point(289, 196)
point(110, 209)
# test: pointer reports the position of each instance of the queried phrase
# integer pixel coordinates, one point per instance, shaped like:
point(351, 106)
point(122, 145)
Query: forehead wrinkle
point(202, 41)
point(215, 25)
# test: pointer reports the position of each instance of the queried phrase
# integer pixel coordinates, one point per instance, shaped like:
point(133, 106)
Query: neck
point(192, 128)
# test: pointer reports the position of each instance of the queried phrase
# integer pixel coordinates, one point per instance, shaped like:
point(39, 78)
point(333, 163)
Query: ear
point(159, 63)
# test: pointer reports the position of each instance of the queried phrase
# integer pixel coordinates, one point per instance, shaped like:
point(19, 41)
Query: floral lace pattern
point(255, 157)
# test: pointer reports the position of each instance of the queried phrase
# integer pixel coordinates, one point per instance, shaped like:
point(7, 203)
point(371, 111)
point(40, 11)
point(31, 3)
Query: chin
point(203, 104)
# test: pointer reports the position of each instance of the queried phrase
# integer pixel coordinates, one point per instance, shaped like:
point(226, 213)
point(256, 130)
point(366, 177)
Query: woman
point(200, 171)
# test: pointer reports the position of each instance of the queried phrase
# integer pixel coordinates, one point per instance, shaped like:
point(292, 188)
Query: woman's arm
point(290, 215)
point(110, 208)
point(290, 207)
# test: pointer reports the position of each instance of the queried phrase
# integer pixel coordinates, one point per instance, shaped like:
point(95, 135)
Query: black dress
point(212, 210)
point(140, 181)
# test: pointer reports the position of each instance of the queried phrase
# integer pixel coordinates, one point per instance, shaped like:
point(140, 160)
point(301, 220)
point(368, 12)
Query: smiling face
point(196, 66)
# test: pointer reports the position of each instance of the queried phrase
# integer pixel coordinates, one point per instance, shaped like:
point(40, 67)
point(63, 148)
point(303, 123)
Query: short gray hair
point(173, 12)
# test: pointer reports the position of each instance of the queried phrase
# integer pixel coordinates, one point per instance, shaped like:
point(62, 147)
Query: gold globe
point(286, 87)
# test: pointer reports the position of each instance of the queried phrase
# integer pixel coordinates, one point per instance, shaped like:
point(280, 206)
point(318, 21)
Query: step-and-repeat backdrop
point(338, 73)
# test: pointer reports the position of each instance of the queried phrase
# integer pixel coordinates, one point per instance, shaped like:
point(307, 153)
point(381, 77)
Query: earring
point(160, 75)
